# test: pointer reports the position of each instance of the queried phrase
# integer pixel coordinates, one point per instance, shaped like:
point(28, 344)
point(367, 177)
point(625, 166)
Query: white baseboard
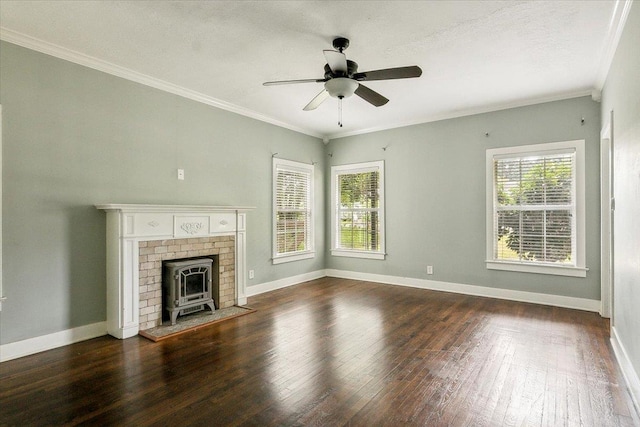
point(283, 283)
point(482, 291)
point(630, 375)
point(30, 346)
point(47, 342)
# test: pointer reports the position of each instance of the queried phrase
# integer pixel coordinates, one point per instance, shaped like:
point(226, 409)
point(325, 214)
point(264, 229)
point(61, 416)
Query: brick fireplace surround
point(141, 237)
point(153, 252)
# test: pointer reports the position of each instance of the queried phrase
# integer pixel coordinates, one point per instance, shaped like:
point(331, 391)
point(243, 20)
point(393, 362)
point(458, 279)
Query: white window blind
point(293, 226)
point(534, 206)
point(358, 210)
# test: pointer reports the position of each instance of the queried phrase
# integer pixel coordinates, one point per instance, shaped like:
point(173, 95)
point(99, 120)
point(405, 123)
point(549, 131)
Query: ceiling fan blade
point(371, 96)
point(390, 73)
point(286, 82)
point(315, 102)
point(337, 61)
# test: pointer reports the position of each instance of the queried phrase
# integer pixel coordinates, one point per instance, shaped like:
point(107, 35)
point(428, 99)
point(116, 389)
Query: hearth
point(187, 287)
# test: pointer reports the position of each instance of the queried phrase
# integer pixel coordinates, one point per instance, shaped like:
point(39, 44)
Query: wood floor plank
point(335, 352)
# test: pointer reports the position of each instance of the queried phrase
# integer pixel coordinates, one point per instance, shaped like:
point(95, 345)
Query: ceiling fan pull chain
point(340, 111)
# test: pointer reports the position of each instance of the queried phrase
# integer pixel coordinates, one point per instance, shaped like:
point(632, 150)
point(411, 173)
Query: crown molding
point(125, 73)
point(616, 26)
point(471, 112)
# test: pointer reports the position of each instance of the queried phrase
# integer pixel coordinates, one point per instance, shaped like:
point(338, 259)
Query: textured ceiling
point(475, 55)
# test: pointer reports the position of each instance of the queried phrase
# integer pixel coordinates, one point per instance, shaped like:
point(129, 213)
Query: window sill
point(281, 259)
point(357, 254)
point(558, 270)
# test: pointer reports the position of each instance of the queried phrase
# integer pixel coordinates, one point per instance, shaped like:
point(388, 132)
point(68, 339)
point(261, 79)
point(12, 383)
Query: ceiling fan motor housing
point(352, 68)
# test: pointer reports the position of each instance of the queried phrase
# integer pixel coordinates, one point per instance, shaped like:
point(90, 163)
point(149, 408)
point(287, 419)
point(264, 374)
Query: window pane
point(508, 239)
point(534, 180)
point(292, 189)
point(538, 191)
point(559, 180)
point(358, 205)
point(360, 190)
point(291, 230)
point(292, 207)
point(532, 236)
point(359, 230)
point(359, 227)
point(559, 236)
point(507, 181)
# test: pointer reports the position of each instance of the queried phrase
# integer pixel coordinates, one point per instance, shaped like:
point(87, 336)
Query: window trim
point(291, 165)
point(357, 168)
point(579, 270)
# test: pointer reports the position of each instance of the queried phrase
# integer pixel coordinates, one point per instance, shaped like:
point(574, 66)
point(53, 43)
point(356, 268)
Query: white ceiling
point(475, 55)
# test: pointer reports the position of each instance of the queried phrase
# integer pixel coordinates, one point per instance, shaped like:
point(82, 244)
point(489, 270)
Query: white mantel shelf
point(128, 224)
point(171, 208)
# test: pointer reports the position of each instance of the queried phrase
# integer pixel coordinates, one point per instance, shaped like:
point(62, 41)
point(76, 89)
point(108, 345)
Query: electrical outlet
point(429, 269)
point(181, 174)
point(251, 274)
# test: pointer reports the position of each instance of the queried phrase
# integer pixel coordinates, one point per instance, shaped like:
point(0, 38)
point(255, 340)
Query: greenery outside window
point(535, 208)
point(292, 211)
point(357, 194)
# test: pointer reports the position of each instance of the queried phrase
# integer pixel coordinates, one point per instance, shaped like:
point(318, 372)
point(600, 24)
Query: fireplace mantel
point(171, 208)
point(129, 224)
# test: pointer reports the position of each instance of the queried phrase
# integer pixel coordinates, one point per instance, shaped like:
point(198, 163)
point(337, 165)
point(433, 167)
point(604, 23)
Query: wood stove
point(187, 287)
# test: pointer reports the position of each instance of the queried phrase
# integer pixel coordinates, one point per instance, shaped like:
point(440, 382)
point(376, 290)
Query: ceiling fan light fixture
point(342, 79)
point(341, 87)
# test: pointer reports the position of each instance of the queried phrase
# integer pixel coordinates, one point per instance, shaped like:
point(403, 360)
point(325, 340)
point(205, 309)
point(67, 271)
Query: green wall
point(435, 194)
point(621, 95)
point(74, 137)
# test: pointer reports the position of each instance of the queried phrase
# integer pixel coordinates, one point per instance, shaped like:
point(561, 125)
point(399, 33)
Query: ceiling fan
point(342, 79)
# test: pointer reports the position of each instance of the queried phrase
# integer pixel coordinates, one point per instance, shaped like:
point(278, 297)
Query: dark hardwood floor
point(337, 352)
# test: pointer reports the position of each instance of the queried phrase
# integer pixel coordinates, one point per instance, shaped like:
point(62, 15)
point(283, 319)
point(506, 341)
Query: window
point(357, 194)
point(535, 208)
point(292, 211)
